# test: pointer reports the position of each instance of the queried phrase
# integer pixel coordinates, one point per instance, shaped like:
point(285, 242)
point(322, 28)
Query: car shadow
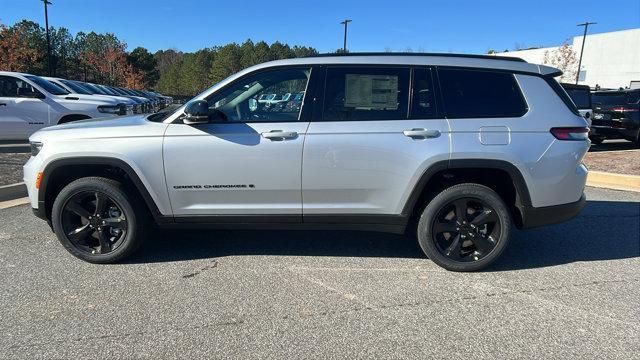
point(605, 230)
point(613, 145)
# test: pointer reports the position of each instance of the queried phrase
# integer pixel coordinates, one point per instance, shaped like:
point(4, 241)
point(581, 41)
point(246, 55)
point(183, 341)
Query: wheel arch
point(73, 117)
point(443, 174)
point(88, 166)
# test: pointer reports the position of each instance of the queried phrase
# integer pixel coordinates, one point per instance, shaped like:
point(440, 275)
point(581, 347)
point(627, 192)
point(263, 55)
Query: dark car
point(581, 96)
point(616, 115)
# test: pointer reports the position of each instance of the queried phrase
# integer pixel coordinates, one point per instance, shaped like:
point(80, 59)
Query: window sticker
point(372, 92)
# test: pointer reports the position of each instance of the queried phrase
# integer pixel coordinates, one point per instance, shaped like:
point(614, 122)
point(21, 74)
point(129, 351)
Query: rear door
point(370, 139)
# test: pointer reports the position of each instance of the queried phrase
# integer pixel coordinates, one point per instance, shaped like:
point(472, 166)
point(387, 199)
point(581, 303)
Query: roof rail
point(473, 56)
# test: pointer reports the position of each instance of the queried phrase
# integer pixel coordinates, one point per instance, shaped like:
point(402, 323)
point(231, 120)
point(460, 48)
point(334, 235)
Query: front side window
point(480, 94)
point(12, 87)
point(50, 87)
point(268, 96)
point(366, 94)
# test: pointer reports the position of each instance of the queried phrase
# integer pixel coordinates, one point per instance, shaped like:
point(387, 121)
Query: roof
point(461, 60)
point(474, 56)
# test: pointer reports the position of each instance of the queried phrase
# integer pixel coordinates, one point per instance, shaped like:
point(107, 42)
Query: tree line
point(103, 58)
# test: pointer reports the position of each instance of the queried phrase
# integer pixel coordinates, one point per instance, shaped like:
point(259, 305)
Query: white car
point(29, 103)
point(84, 94)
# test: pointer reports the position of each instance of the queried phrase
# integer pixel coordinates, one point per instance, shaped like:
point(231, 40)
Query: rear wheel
point(464, 228)
point(96, 220)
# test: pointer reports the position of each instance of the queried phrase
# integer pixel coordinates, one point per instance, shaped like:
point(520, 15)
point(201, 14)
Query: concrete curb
point(613, 181)
point(13, 191)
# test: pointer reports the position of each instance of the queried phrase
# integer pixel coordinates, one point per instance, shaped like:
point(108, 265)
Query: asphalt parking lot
point(570, 290)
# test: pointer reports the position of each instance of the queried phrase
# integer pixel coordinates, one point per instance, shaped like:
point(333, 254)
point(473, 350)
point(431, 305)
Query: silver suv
point(456, 149)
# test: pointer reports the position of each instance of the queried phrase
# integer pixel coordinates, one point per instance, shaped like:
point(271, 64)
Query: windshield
point(49, 87)
point(107, 90)
point(615, 98)
point(93, 89)
point(75, 87)
point(580, 97)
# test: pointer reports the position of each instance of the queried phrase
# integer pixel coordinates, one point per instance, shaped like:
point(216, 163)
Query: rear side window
point(480, 94)
point(615, 98)
point(366, 93)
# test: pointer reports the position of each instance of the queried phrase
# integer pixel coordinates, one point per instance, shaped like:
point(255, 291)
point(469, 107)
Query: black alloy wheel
point(94, 222)
point(466, 229)
point(99, 221)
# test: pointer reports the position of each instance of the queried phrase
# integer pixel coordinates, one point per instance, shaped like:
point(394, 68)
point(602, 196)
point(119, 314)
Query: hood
point(83, 100)
point(87, 98)
point(118, 99)
point(125, 126)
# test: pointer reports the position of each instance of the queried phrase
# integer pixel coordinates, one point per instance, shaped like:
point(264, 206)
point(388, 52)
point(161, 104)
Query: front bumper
point(539, 216)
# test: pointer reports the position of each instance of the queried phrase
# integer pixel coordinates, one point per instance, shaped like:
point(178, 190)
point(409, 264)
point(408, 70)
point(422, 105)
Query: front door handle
point(3, 104)
point(419, 133)
point(279, 135)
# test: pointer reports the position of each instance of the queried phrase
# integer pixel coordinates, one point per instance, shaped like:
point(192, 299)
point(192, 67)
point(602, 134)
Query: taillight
point(570, 133)
point(623, 109)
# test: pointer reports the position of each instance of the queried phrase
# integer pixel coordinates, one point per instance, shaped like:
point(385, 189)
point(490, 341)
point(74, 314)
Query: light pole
point(46, 24)
point(345, 23)
point(584, 37)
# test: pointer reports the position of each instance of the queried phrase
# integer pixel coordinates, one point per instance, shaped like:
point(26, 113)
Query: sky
point(460, 26)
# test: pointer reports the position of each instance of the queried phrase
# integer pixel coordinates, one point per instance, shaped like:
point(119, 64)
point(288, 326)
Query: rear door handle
point(419, 133)
point(3, 104)
point(279, 135)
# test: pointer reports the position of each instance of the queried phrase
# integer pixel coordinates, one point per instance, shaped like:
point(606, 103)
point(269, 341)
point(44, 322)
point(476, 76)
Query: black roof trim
point(472, 56)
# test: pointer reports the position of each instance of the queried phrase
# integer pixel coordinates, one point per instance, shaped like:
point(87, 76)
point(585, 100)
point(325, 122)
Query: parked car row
point(29, 103)
point(612, 114)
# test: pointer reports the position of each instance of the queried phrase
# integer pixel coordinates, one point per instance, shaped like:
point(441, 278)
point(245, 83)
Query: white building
point(611, 60)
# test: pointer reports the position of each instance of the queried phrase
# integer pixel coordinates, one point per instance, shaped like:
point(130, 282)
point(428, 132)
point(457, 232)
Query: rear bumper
point(539, 216)
point(613, 133)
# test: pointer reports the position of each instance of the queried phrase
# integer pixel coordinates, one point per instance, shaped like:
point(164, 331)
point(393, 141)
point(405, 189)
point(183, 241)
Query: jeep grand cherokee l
point(454, 149)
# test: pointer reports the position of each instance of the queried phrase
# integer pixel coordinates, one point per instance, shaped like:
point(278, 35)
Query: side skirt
point(395, 224)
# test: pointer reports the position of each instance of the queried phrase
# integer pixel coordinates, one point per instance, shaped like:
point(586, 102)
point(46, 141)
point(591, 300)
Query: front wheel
point(464, 228)
point(96, 220)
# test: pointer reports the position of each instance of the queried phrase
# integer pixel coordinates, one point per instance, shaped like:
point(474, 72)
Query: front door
point(20, 116)
point(247, 160)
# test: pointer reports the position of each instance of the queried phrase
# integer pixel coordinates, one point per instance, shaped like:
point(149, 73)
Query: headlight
point(111, 109)
point(35, 147)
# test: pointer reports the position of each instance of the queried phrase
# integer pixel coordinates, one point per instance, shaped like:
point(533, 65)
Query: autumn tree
point(16, 54)
point(563, 58)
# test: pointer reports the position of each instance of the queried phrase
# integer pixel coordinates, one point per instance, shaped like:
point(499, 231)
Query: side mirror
point(24, 92)
point(196, 112)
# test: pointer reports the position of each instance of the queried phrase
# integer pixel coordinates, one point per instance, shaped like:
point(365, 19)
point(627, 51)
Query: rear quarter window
point(480, 94)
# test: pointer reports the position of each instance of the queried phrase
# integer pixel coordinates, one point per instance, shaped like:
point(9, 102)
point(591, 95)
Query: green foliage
point(189, 74)
point(143, 60)
point(95, 57)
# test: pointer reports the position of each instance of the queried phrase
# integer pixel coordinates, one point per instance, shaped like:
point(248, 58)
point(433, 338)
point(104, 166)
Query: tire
point(105, 235)
point(482, 235)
